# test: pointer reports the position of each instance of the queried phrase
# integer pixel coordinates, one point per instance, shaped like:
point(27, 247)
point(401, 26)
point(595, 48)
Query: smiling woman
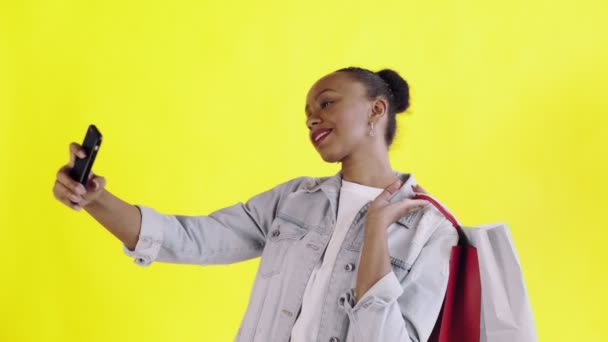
point(343, 257)
point(339, 107)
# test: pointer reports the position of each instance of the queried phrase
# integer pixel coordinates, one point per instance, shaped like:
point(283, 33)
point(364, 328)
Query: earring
point(371, 130)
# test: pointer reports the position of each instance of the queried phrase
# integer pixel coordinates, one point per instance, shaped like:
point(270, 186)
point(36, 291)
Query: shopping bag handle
point(462, 239)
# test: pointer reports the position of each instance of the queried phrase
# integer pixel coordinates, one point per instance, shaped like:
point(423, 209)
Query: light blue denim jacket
point(289, 226)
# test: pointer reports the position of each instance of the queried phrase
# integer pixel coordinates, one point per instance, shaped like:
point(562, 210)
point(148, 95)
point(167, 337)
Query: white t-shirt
point(353, 197)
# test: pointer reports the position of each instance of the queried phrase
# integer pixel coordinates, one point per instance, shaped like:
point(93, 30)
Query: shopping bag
point(486, 299)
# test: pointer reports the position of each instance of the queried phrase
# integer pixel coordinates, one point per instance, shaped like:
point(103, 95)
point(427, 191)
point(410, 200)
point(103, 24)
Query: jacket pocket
point(283, 235)
point(399, 267)
point(400, 248)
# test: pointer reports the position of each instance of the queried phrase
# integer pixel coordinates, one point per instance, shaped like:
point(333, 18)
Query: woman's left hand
point(381, 213)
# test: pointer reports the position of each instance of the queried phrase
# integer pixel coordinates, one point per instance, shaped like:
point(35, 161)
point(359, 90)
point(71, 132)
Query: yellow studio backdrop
point(201, 105)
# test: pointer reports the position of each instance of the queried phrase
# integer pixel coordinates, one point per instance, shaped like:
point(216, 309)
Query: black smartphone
point(82, 166)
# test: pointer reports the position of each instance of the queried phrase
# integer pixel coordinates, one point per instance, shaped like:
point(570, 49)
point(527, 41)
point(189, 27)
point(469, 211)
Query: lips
point(319, 135)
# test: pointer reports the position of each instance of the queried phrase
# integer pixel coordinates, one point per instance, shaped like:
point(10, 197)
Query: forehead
point(338, 81)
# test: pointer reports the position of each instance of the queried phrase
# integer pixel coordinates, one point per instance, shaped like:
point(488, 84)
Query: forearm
point(375, 260)
point(120, 218)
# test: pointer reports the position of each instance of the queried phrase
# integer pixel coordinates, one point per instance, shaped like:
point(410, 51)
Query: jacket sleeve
point(406, 311)
point(231, 234)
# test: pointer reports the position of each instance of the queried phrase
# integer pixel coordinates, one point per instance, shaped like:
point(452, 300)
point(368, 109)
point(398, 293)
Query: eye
point(326, 102)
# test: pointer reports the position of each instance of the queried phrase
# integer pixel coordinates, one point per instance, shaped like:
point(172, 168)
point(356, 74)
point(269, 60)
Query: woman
point(351, 257)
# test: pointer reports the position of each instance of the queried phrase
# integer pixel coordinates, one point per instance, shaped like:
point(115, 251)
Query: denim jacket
point(289, 226)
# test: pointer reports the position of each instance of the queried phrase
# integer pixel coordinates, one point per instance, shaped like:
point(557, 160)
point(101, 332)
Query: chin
point(331, 158)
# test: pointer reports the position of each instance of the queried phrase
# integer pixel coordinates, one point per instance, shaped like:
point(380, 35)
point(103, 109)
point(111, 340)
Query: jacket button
point(334, 339)
point(276, 233)
point(349, 267)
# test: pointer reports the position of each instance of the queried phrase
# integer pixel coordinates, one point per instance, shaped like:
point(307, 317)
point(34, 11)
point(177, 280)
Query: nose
point(311, 121)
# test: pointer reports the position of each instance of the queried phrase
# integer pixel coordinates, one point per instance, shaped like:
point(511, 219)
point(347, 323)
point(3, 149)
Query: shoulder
point(438, 226)
point(300, 183)
point(445, 232)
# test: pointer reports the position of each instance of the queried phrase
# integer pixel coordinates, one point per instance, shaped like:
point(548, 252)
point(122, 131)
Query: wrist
point(375, 231)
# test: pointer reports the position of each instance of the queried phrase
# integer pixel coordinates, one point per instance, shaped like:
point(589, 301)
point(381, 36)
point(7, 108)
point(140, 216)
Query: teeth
point(321, 135)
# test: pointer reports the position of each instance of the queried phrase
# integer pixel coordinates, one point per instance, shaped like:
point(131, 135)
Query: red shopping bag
point(459, 318)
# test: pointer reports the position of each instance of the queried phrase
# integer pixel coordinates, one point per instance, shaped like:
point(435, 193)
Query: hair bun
point(399, 87)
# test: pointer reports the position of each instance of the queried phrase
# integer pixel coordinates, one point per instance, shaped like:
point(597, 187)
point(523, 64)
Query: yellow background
point(201, 106)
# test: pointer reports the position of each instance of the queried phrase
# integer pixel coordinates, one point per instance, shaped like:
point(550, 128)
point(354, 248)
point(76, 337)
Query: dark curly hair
point(387, 83)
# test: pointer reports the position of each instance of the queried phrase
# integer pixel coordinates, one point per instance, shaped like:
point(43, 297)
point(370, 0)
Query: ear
point(378, 109)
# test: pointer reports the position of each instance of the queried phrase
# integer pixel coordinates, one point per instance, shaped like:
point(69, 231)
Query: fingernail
point(81, 189)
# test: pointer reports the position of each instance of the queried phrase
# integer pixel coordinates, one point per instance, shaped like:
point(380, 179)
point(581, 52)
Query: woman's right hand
point(382, 213)
point(72, 193)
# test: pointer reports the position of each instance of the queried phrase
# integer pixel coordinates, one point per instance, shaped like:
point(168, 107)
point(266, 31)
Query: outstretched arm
point(231, 234)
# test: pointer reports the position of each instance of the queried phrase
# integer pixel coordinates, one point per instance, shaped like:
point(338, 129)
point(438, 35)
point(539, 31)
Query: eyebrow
point(319, 94)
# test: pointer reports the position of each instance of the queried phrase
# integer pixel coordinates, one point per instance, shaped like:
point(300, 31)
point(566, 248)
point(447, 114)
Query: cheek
point(346, 136)
point(349, 129)
point(350, 123)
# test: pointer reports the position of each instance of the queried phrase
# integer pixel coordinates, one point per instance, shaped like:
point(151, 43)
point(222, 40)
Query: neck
point(374, 171)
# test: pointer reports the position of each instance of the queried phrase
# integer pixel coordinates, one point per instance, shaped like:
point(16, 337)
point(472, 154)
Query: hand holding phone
point(82, 166)
point(76, 185)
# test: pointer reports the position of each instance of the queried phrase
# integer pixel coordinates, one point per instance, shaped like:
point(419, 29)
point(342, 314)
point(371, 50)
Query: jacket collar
point(331, 186)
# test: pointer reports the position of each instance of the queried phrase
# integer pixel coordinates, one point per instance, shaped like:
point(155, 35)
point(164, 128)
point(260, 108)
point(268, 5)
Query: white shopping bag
point(506, 313)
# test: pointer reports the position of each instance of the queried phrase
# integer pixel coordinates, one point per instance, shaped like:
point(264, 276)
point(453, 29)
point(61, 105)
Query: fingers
point(66, 189)
point(405, 206)
point(389, 190)
point(408, 204)
point(66, 196)
point(76, 151)
point(382, 210)
point(95, 184)
point(64, 178)
point(418, 188)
